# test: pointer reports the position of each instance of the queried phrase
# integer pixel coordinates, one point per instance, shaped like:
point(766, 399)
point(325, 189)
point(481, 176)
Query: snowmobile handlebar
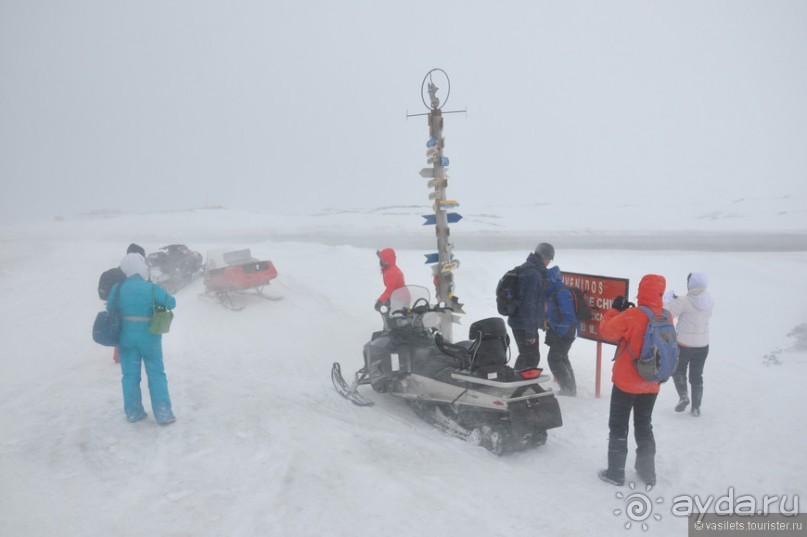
point(419, 307)
point(420, 317)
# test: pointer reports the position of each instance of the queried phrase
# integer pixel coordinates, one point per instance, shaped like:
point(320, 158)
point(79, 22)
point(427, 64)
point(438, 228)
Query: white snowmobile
point(466, 388)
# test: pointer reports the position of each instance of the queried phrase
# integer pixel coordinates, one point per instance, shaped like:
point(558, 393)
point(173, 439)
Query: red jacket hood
point(651, 291)
point(387, 255)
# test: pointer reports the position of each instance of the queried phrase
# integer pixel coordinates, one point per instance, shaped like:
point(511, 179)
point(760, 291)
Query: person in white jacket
point(693, 312)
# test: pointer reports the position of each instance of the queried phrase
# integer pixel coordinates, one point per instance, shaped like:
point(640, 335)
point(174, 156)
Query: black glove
point(378, 305)
point(621, 303)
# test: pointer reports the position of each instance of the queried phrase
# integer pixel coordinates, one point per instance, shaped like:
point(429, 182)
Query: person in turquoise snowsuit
point(137, 343)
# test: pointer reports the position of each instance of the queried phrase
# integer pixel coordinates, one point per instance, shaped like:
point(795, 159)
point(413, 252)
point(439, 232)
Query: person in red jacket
point(393, 277)
point(630, 391)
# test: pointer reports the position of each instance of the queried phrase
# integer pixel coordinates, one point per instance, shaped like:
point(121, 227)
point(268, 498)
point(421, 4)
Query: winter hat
point(697, 280)
point(136, 249)
point(553, 276)
point(134, 263)
point(545, 251)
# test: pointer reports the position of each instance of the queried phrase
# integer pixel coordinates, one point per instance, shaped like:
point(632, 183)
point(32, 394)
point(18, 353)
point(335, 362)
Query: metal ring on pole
point(432, 97)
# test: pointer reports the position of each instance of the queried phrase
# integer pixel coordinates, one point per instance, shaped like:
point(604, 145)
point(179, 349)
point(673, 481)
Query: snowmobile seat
point(490, 343)
point(458, 351)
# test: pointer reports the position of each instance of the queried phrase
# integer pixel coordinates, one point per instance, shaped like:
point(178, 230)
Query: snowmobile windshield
point(406, 298)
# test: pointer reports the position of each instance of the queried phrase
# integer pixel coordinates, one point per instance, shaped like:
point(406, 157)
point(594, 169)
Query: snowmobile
point(174, 266)
point(465, 389)
point(235, 271)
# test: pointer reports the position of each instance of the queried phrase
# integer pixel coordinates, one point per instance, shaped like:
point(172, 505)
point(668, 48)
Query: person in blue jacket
point(529, 315)
point(137, 344)
point(561, 330)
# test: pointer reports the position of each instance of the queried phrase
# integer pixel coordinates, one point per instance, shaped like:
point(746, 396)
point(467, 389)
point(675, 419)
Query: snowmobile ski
point(349, 392)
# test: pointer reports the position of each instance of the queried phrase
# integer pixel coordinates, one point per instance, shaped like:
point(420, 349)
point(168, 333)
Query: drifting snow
point(263, 445)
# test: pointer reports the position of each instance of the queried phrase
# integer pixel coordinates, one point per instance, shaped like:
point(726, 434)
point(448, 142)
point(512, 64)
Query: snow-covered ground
point(263, 445)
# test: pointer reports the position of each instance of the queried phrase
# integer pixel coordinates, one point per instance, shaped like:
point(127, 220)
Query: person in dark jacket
point(111, 277)
point(561, 331)
point(630, 392)
point(529, 315)
point(137, 344)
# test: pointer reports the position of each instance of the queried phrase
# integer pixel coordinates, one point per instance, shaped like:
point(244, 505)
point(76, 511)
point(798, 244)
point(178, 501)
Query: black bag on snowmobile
point(491, 344)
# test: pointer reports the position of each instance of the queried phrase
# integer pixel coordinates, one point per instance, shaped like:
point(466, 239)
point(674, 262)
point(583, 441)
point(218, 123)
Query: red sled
point(233, 271)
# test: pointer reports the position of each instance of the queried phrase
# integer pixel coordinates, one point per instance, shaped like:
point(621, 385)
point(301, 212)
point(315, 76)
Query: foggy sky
point(300, 106)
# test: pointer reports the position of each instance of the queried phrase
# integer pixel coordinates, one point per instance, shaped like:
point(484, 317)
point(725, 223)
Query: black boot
point(603, 474)
point(680, 381)
point(646, 465)
point(683, 402)
point(617, 454)
point(571, 386)
point(697, 396)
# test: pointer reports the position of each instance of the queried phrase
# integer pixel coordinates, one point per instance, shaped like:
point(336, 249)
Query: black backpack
point(108, 279)
point(507, 292)
point(582, 306)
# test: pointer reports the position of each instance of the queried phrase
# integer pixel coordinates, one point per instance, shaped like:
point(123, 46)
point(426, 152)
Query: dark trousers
point(695, 359)
point(558, 359)
point(622, 403)
point(529, 355)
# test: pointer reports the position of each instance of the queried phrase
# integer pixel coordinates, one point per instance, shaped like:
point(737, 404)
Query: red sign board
point(600, 292)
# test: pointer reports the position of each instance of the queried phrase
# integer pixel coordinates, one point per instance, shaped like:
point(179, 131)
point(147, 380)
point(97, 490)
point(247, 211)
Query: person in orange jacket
point(631, 392)
point(393, 277)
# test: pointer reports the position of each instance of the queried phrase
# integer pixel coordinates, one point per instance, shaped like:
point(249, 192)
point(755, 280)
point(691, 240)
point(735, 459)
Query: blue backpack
point(659, 356)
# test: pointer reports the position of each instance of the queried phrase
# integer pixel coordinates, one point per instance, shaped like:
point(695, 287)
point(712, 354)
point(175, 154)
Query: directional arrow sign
point(437, 183)
point(427, 172)
point(448, 204)
point(433, 258)
point(431, 219)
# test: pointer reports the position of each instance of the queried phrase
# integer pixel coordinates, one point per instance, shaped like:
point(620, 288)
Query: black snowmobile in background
point(174, 266)
point(466, 388)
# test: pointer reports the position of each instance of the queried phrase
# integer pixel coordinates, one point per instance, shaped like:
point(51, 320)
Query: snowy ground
point(263, 445)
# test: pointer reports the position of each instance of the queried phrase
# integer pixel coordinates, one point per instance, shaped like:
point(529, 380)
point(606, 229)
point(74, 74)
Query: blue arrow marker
point(431, 219)
point(432, 142)
point(435, 257)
